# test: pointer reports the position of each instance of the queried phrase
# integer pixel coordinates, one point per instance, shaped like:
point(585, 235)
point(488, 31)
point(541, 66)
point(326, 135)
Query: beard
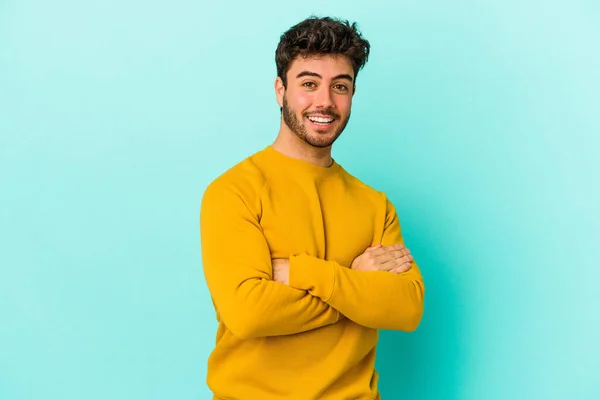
point(299, 129)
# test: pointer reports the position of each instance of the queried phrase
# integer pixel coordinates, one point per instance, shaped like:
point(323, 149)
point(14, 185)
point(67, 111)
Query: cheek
point(303, 101)
point(343, 104)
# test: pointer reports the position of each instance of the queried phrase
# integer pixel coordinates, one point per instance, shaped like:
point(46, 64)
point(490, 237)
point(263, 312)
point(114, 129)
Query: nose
point(323, 98)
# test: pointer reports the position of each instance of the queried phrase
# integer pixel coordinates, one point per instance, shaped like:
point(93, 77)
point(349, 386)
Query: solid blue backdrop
point(479, 119)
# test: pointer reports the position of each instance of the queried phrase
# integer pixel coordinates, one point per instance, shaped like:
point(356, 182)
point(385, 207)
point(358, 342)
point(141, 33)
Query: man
point(304, 262)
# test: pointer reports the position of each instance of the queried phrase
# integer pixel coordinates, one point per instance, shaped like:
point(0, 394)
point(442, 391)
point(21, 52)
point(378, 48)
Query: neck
point(291, 145)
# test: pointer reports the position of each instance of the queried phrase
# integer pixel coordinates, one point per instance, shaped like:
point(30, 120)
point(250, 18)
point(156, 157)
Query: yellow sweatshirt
point(316, 337)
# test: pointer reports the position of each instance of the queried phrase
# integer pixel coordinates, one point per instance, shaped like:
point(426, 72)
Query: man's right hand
point(394, 258)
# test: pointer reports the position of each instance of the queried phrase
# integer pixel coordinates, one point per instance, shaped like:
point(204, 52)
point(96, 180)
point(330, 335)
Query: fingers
point(394, 255)
point(379, 249)
point(377, 246)
point(403, 260)
point(394, 258)
point(402, 268)
point(402, 264)
point(392, 264)
point(393, 247)
point(391, 255)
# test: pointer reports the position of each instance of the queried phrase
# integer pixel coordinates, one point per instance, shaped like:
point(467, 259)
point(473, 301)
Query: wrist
point(281, 271)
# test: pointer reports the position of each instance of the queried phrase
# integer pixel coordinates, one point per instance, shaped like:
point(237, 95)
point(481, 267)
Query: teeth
point(321, 120)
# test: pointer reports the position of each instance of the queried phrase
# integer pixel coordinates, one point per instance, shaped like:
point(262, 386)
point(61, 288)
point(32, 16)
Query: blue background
point(479, 119)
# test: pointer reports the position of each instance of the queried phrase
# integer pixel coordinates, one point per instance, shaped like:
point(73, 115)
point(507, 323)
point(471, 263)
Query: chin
point(321, 140)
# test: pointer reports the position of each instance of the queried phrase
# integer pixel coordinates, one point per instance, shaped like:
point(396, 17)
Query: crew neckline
point(300, 165)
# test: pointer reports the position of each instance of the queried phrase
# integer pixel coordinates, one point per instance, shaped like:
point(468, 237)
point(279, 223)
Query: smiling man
point(304, 262)
point(331, 107)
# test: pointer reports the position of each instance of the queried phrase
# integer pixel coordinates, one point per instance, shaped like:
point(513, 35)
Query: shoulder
point(364, 188)
point(243, 183)
point(378, 198)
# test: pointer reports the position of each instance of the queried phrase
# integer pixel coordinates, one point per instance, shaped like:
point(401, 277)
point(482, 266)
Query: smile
point(321, 121)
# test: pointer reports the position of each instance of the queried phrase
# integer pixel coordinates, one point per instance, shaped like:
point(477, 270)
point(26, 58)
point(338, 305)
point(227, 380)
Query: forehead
point(327, 65)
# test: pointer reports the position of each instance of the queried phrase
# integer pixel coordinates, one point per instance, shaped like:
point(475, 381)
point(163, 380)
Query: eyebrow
point(310, 73)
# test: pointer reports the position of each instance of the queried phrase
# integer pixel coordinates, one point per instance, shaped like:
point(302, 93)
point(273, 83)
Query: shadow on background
point(415, 365)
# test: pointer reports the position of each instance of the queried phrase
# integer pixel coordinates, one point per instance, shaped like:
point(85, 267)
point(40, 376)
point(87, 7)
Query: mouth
point(321, 122)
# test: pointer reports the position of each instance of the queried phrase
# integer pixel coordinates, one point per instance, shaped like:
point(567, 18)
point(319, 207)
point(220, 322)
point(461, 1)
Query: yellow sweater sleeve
point(238, 271)
point(378, 300)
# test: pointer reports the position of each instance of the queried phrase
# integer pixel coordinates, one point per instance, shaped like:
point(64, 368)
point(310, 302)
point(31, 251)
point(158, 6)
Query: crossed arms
point(239, 273)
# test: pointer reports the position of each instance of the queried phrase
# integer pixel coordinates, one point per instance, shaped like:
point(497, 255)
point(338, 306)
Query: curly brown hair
point(319, 36)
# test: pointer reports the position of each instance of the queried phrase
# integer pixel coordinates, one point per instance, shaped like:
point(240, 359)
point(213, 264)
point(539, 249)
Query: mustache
point(328, 113)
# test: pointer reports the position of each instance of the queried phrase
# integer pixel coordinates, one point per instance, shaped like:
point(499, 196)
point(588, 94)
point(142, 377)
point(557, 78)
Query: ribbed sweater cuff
point(314, 275)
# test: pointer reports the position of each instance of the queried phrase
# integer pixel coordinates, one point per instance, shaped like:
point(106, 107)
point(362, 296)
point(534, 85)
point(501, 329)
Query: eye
point(341, 87)
point(309, 84)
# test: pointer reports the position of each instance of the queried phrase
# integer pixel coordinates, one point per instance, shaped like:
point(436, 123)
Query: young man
point(304, 262)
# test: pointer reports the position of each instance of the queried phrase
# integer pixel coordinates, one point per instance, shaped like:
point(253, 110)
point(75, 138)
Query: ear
point(279, 91)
